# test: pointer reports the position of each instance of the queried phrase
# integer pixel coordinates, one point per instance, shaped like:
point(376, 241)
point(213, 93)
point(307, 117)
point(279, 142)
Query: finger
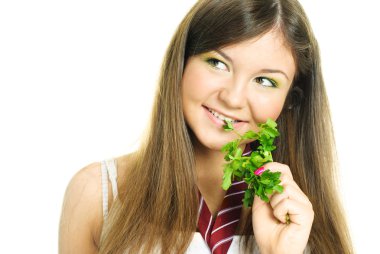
point(261, 209)
point(299, 213)
point(279, 167)
point(259, 203)
point(285, 177)
point(286, 180)
point(290, 192)
point(286, 174)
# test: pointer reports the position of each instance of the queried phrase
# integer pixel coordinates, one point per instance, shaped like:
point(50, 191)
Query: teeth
point(222, 117)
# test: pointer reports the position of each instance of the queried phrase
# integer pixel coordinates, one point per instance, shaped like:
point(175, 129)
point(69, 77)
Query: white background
point(76, 86)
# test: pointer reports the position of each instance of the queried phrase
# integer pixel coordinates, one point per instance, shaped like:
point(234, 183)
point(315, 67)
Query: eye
point(217, 64)
point(267, 82)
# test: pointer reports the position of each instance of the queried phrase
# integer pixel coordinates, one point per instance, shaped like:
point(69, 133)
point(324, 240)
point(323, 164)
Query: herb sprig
point(249, 168)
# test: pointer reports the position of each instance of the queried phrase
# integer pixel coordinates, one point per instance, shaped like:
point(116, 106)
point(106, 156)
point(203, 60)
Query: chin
point(216, 147)
point(212, 143)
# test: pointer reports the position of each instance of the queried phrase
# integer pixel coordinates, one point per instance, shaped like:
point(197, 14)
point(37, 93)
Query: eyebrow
point(274, 71)
point(261, 71)
point(224, 55)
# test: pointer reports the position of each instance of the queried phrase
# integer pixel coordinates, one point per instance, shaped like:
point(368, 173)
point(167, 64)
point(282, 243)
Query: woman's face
point(247, 82)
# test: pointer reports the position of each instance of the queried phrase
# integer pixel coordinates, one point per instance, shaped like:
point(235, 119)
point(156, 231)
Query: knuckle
point(277, 211)
point(287, 171)
point(285, 179)
point(283, 168)
point(271, 165)
point(286, 167)
point(286, 192)
point(286, 202)
point(283, 204)
point(288, 187)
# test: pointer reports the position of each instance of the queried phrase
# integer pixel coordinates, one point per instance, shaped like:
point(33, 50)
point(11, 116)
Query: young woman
point(246, 60)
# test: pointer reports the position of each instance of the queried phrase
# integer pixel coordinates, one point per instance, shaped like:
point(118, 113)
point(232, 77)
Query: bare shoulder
point(81, 215)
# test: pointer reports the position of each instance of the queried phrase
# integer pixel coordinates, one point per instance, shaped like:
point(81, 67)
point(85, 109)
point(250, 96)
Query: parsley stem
point(237, 133)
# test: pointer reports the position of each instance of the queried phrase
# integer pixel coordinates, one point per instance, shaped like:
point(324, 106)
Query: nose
point(234, 94)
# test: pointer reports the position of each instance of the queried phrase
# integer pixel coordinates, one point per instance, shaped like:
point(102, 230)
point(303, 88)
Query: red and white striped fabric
point(218, 232)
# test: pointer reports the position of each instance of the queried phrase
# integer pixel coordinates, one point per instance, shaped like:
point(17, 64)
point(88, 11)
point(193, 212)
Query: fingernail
point(259, 171)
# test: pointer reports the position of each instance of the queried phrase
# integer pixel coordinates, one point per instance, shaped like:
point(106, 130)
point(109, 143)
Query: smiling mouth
point(222, 117)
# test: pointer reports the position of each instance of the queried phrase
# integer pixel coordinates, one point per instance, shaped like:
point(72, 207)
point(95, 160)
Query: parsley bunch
point(249, 168)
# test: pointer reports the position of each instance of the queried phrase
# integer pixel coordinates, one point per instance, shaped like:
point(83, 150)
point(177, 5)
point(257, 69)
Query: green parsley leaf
point(241, 167)
point(227, 177)
point(228, 126)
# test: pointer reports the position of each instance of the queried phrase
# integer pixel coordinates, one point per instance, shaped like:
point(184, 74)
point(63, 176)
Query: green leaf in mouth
point(239, 167)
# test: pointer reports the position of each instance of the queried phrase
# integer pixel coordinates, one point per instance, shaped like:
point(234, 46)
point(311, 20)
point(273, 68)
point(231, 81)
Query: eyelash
point(213, 62)
point(274, 83)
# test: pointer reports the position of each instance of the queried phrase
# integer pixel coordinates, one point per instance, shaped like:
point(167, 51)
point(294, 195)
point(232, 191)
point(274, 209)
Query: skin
point(81, 221)
point(234, 83)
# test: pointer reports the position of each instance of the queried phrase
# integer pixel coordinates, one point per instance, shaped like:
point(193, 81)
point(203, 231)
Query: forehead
point(268, 51)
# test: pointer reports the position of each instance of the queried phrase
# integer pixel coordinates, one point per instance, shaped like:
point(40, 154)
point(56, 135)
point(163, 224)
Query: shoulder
point(81, 211)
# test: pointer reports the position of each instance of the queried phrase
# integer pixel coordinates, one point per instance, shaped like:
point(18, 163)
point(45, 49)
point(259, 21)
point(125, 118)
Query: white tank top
point(108, 171)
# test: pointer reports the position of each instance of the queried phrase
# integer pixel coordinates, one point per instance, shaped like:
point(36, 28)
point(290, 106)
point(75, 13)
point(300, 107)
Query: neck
point(209, 165)
point(209, 169)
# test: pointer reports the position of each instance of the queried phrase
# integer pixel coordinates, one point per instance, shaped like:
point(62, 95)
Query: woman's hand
point(273, 235)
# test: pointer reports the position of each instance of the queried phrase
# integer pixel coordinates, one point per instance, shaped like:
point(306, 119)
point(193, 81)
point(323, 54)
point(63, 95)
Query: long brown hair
point(158, 202)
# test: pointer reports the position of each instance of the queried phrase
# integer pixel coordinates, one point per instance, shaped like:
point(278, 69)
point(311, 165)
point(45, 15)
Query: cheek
point(198, 84)
point(192, 87)
point(264, 107)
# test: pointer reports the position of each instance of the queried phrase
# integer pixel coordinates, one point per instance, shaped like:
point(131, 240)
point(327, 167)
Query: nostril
point(233, 98)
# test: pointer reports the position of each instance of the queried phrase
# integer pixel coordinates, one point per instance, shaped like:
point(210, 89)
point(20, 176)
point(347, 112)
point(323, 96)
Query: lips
point(223, 116)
